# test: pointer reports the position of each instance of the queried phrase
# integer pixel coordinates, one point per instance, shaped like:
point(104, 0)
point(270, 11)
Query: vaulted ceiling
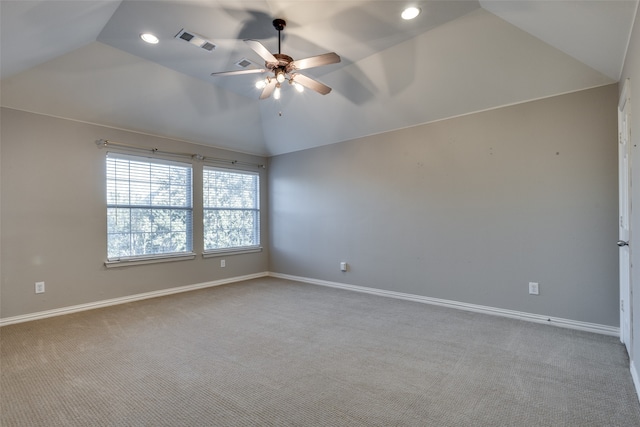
point(84, 60)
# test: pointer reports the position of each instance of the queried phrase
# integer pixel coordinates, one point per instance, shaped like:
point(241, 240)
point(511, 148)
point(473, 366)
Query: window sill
point(231, 251)
point(127, 262)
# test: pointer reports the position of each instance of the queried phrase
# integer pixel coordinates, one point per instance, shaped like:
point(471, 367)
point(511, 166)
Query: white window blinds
point(231, 202)
point(149, 207)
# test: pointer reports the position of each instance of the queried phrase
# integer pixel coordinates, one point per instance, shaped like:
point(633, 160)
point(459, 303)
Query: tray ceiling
point(84, 60)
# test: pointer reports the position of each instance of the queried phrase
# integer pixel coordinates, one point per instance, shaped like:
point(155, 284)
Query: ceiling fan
point(283, 68)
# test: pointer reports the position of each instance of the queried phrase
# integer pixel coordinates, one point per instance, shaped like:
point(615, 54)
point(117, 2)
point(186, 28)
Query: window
point(231, 202)
point(149, 207)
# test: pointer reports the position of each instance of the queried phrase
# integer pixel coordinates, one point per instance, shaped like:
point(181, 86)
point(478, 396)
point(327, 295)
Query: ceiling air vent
point(196, 40)
point(244, 63)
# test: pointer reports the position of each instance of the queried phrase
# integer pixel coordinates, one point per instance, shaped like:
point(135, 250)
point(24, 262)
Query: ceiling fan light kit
point(297, 86)
point(283, 68)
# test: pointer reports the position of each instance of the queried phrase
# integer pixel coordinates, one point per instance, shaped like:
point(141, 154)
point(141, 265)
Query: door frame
point(624, 223)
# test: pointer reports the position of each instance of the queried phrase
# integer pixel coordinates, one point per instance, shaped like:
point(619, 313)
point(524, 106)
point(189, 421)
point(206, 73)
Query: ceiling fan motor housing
point(283, 60)
point(281, 67)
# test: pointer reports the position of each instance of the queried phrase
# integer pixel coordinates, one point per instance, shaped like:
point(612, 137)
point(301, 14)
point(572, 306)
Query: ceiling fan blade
point(262, 51)
point(268, 89)
point(315, 61)
point(309, 83)
point(237, 72)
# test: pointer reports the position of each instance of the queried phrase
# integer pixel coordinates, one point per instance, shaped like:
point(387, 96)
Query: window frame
point(257, 229)
point(149, 258)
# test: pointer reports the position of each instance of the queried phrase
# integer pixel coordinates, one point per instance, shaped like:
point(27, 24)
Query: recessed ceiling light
point(149, 38)
point(410, 13)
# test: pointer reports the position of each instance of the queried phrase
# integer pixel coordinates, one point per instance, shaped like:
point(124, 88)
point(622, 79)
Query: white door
point(624, 173)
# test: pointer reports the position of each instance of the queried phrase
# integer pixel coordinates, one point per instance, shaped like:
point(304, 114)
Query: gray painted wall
point(54, 218)
point(469, 209)
point(631, 71)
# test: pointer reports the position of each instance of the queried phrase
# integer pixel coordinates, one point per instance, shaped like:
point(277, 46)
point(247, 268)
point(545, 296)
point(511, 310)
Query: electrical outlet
point(223, 263)
point(343, 266)
point(534, 288)
point(39, 287)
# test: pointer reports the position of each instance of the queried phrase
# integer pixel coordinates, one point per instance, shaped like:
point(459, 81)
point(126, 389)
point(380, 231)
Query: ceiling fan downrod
point(279, 25)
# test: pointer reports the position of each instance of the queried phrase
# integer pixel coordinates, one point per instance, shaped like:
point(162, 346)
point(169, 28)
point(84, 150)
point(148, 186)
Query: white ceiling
point(84, 60)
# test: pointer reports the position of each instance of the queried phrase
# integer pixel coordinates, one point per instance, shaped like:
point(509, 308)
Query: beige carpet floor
point(271, 352)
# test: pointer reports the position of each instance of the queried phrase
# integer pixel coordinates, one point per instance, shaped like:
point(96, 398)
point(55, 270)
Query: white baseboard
point(123, 300)
point(530, 317)
point(537, 318)
point(636, 379)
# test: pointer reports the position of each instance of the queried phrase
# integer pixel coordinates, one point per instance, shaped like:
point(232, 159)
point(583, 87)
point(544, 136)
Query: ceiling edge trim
point(454, 117)
point(172, 138)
